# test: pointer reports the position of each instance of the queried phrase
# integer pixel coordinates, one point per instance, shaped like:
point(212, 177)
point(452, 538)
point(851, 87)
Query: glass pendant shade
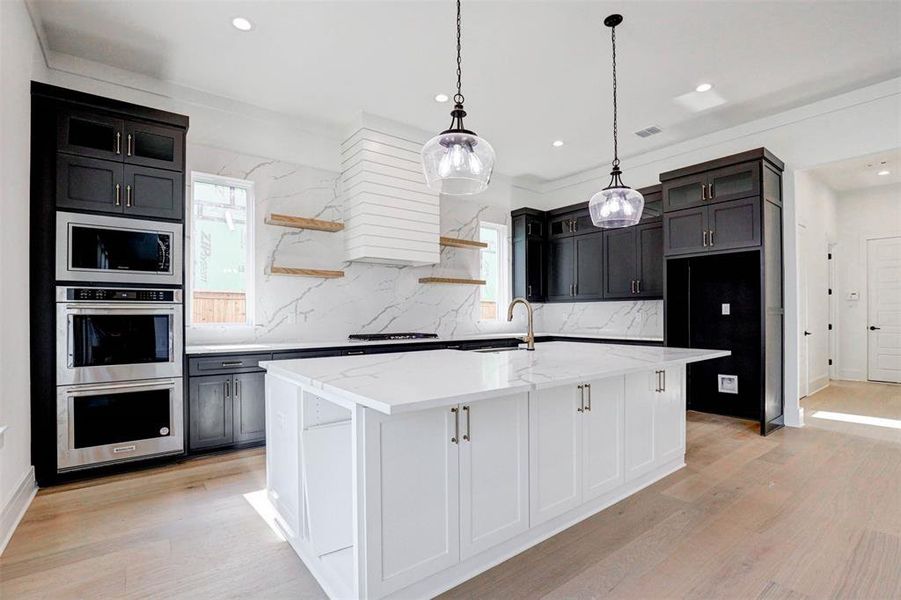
point(457, 163)
point(616, 206)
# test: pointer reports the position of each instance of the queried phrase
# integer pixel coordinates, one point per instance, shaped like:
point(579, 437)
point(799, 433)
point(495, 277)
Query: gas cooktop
point(377, 337)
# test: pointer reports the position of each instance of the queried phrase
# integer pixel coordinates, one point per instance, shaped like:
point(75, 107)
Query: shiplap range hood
point(391, 215)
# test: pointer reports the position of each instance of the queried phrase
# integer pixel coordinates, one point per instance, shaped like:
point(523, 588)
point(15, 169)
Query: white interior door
point(803, 320)
point(884, 309)
point(494, 472)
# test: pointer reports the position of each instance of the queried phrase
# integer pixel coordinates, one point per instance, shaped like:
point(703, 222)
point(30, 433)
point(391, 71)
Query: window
point(493, 271)
point(221, 250)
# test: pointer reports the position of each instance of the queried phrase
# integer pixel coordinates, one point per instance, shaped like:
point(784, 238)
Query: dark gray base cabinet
point(226, 410)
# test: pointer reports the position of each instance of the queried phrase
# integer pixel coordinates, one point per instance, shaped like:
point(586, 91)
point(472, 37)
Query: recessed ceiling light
point(557, 143)
point(242, 24)
point(704, 87)
point(441, 98)
point(884, 172)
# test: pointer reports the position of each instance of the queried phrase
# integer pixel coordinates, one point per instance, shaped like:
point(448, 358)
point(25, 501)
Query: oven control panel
point(121, 295)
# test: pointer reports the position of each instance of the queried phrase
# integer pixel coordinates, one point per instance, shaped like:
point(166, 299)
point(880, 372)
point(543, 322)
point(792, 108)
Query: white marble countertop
point(406, 381)
point(309, 345)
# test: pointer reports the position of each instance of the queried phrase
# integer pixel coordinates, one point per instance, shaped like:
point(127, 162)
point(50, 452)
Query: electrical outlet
point(728, 384)
point(727, 309)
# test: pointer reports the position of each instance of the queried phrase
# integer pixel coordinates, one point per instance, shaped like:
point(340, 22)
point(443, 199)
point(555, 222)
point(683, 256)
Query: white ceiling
point(534, 72)
point(862, 172)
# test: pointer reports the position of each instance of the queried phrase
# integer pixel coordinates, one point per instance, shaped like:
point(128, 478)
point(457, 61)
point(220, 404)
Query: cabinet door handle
point(128, 201)
point(232, 363)
point(703, 192)
point(355, 352)
point(710, 191)
point(588, 406)
point(466, 436)
point(128, 145)
point(529, 288)
point(581, 399)
point(237, 388)
point(528, 229)
point(705, 238)
point(456, 436)
point(118, 142)
point(118, 194)
point(638, 286)
point(227, 390)
point(663, 385)
point(711, 238)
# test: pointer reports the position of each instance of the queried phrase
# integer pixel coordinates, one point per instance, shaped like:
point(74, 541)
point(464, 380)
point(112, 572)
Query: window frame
point(249, 274)
point(504, 285)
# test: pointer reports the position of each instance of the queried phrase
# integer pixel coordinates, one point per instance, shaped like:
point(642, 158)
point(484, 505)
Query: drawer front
point(236, 363)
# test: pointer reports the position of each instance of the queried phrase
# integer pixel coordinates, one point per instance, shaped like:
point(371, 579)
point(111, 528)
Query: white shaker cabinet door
point(494, 472)
point(602, 442)
point(555, 452)
point(640, 422)
point(412, 497)
point(669, 415)
point(283, 441)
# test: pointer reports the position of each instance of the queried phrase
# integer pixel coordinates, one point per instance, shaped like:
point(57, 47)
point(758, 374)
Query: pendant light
point(617, 205)
point(457, 162)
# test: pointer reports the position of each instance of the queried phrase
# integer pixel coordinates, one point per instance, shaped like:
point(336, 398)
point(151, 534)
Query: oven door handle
point(112, 387)
point(144, 308)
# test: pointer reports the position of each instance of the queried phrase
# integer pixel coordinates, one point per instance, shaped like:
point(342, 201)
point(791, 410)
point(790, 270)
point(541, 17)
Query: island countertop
point(406, 381)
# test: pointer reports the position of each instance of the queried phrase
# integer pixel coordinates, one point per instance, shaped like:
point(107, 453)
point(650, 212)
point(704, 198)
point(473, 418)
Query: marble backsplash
point(374, 298)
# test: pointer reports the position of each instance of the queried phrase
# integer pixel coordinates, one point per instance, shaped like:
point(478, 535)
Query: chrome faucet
point(530, 336)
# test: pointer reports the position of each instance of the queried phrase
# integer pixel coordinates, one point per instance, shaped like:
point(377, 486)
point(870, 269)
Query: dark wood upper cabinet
point(734, 182)
point(153, 193)
point(734, 224)
point(685, 192)
point(89, 134)
point(685, 231)
point(154, 145)
point(589, 265)
point(560, 269)
point(620, 263)
point(650, 260)
point(561, 226)
point(653, 205)
point(89, 184)
point(529, 261)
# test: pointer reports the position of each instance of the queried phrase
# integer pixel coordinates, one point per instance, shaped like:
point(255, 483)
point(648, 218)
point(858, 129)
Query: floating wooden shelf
point(303, 223)
point(452, 280)
point(274, 270)
point(458, 243)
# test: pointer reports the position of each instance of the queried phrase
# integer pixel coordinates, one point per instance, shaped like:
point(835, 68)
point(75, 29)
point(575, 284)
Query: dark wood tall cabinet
point(722, 230)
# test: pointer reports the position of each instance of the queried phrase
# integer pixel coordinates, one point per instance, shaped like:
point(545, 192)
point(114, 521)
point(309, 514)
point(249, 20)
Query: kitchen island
point(402, 475)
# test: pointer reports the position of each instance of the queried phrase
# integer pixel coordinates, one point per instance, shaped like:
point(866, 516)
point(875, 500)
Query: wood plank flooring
point(802, 514)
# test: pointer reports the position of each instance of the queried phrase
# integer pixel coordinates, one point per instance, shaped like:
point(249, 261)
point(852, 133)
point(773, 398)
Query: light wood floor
point(805, 513)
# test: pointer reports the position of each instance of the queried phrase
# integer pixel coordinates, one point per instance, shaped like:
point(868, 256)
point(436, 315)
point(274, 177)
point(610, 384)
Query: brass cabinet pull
point(456, 436)
point(466, 436)
point(118, 194)
point(588, 406)
point(118, 142)
point(581, 399)
point(703, 192)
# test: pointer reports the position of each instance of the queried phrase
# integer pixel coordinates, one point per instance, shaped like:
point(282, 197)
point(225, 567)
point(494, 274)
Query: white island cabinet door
point(602, 442)
point(640, 423)
point(283, 454)
point(494, 472)
point(411, 496)
point(555, 452)
point(669, 415)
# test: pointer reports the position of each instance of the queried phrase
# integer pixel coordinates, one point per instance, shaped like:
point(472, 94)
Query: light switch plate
point(728, 384)
point(727, 309)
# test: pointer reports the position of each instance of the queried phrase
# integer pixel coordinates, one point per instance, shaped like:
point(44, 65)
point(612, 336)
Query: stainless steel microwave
point(102, 249)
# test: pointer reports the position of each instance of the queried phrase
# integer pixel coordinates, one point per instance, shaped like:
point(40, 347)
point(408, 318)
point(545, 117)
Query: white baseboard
point(13, 512)
point(818, 385)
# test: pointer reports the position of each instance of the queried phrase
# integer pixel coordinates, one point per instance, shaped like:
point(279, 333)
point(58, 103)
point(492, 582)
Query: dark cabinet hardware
point(807, 333)
point(874, 328)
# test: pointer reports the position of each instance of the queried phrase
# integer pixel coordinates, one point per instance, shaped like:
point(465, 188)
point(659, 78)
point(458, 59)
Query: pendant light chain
point(615, 131)
point(458, 97)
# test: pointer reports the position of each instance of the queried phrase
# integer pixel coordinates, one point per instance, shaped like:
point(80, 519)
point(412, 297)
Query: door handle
point(638, 286)
point(227, 390)
point(705, 238)
point(128, 196)
point(118, 142)
point(128, 141)
point(874, 328)
point(710, 191)
point(581, 408)
point(588, 406)
point(529, 287)
point(466, 436)
point(456, 436)
point(663, 375)
point(703, 192)
point(237, 388)
point(711, 238)
point(118, 193)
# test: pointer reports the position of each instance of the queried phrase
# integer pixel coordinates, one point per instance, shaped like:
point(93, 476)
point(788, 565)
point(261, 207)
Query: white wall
point(862, 215)
point(816, 205)
point(20, 60)
point(865, 121)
